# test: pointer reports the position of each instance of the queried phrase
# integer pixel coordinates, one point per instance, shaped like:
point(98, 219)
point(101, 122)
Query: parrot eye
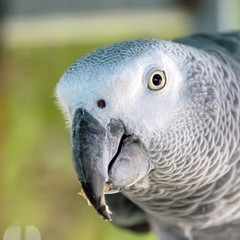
point(157, 80)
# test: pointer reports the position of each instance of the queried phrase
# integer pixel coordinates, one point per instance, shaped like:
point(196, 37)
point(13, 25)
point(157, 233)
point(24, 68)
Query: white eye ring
point(157, 80)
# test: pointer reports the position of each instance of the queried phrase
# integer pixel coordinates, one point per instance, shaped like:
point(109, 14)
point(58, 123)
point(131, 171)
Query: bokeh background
point(39, 39)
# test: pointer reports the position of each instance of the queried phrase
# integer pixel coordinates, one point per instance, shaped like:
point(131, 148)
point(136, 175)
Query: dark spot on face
point(101, 103)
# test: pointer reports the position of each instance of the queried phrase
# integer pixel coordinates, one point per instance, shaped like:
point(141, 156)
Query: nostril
point(101, 103)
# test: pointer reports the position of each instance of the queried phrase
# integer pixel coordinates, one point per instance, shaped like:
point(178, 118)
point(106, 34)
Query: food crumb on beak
point(102, 202)
point(108, 211)
point(106, 188)
point(82, 193)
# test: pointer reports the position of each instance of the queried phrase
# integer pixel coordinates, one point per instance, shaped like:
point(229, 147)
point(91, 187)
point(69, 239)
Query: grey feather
point(228, 43)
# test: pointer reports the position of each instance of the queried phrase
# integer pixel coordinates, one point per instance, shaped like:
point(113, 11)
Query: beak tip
point(100, 205)
point(104, 212)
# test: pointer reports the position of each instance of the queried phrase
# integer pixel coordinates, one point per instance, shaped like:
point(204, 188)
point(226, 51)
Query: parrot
point(155, 134)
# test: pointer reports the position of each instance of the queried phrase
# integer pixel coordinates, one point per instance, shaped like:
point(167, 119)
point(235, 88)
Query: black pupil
point(157, 79)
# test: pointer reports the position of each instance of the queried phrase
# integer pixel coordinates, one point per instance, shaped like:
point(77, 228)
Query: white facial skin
point(125, 91)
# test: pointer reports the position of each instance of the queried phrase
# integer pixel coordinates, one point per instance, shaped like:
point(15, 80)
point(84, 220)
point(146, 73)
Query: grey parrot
point(155, 134)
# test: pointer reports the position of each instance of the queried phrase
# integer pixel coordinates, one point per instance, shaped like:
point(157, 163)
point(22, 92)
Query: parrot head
point(138, 112)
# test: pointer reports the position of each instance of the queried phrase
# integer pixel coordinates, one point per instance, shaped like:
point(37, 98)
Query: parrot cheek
point(130, 166)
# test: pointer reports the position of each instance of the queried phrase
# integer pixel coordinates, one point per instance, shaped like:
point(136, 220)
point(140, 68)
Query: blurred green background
point(38, 184)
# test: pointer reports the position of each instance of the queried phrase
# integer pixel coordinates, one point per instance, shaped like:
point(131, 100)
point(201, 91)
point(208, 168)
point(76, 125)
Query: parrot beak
point(93, 148)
